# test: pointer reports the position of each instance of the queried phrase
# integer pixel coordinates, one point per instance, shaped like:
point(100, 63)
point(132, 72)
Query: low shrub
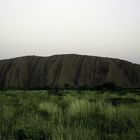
point(30, 127)
point(80, 108)
point(49, 108)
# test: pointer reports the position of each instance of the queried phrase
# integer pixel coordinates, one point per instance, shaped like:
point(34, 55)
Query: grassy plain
point(69, 115)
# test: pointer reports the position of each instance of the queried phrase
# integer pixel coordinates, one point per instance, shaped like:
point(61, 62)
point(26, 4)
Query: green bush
point(30, 127)
point(80, 108)
point(8, 111)
point(49, 108)
point(67, 100)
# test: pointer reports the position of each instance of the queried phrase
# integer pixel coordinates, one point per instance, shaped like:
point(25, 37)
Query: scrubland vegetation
point(69, 115)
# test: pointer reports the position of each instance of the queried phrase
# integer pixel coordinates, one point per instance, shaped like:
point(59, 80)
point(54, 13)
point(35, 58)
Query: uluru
point(67, 71)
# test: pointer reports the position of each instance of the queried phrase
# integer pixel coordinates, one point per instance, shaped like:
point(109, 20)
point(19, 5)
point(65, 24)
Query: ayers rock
point(67, 71)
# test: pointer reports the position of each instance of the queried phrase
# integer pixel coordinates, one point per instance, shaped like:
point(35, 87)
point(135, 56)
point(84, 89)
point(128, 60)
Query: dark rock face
point(67, 71)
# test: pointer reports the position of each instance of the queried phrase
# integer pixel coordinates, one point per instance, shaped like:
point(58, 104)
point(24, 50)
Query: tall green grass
point(85, 115)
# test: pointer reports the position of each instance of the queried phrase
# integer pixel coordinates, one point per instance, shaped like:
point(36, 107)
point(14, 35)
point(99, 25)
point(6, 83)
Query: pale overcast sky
point(108, 28)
